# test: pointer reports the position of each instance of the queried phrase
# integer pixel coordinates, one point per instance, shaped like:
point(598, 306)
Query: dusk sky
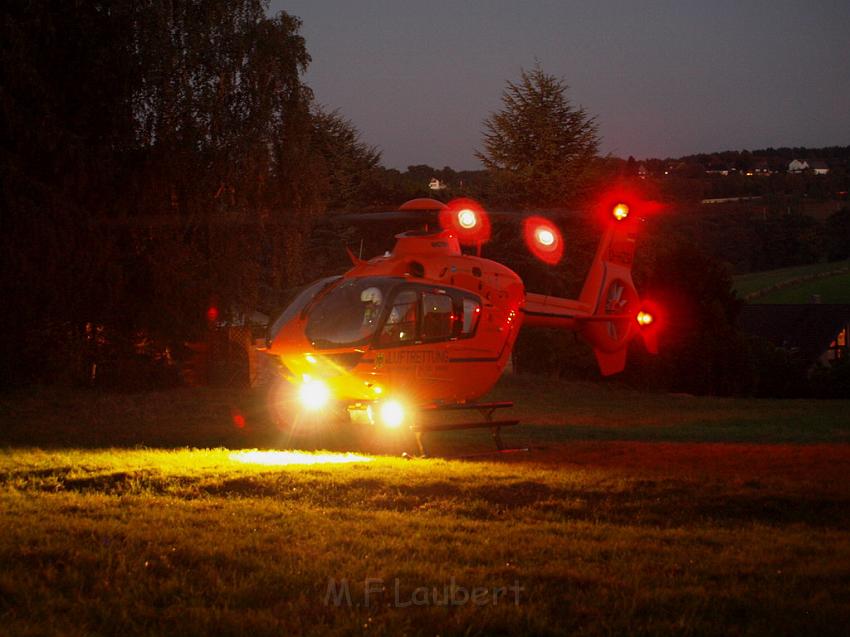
point(664, 79)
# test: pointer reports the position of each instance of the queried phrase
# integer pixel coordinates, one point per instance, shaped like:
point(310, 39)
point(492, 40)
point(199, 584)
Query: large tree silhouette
point(539, 147)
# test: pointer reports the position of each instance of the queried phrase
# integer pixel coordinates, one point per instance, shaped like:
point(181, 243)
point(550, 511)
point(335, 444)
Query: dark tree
point(349, 163)
point(701, 349)
point(837, 229)
point(156, 157)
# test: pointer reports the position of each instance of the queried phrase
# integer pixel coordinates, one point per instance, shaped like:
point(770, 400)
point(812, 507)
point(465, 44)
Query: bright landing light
point(392, 414)
point(314, 394)
point(280, 458)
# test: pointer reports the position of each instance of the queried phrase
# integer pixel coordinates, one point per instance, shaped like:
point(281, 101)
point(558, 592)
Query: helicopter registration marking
point(410, 358)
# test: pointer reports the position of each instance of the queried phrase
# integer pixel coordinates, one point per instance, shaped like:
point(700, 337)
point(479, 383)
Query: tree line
point(164, 166)
point(158, 159)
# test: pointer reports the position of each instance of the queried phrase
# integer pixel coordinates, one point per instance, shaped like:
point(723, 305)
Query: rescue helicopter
point(427, 327)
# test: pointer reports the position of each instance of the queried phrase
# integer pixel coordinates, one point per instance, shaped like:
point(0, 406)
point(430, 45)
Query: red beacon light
point(467, 218)
point(545, 237)
point(544, 240)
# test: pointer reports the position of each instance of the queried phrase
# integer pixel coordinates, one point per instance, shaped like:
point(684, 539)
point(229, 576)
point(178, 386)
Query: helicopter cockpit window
point(400, 326)
point(348, 315)
point(471, 312)
point(437, 317)
point(300, 301)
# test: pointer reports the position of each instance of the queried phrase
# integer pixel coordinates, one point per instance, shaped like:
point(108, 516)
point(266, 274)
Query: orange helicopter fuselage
point(436, 326)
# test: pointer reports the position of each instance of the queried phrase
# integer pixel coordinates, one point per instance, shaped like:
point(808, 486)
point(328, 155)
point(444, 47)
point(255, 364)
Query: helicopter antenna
point(354, 260)
point(360, 254)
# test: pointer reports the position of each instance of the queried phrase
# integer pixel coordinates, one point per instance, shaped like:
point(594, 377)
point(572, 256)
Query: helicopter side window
point(437, 317)
point(400, 326)
point(471, 312)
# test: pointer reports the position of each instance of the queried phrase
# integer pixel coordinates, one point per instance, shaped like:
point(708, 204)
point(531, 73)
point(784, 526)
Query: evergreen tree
point(539, 147)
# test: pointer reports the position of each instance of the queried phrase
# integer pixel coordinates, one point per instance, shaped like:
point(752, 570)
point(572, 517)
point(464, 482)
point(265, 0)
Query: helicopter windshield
point(349, 314)
point(299, 303)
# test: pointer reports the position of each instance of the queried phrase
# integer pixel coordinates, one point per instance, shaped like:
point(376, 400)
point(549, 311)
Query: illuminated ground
point(632, 513)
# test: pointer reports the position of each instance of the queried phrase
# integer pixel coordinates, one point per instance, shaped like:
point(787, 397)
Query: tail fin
point(608, 313)
point(610, 291)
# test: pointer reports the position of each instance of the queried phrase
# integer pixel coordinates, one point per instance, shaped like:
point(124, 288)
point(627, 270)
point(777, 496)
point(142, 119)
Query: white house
point(798, 166)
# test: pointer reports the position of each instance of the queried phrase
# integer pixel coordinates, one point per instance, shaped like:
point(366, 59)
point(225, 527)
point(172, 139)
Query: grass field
point(795, 277)
point(833, 289)
point(631, 513)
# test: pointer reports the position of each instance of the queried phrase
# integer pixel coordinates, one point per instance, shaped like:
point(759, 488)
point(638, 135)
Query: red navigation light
point(625, 203)
point(649, 319)
point(466, 219)
point(620, 211)
point(543, 239)
point(212, 313)
point(644, 319)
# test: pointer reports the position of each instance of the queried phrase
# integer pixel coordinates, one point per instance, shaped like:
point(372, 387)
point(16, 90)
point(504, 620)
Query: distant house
point(760, 168)
point(819, 167)
point(675, 167)
point(436, 184)
point(819, 333)
point(643, 171)
point(718, 168)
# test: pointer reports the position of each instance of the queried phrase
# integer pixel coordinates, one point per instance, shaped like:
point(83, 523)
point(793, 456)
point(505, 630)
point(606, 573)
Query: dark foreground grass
point(632, 513)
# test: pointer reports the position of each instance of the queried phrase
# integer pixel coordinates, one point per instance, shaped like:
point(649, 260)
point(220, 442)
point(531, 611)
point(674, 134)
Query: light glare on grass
point(283, 458)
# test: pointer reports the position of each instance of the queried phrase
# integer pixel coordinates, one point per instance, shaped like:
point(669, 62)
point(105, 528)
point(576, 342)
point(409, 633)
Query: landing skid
point(485, 409)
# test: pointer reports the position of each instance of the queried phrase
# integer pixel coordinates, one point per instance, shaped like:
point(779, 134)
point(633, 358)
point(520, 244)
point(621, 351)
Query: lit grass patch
point(632, 513)
point(194, 544)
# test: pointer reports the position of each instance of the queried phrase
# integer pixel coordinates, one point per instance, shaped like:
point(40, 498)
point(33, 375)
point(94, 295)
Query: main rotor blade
point(430, 216)
point(414, 216)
